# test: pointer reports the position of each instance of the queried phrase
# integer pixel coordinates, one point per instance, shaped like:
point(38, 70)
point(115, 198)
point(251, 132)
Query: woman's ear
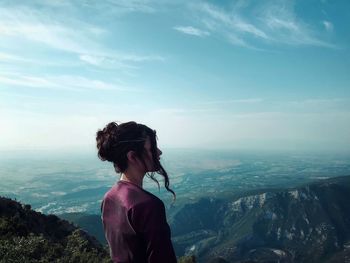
point(131, 155)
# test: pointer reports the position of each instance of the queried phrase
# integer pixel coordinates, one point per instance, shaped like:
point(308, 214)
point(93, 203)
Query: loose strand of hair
point(151, 175)
point(163, 173)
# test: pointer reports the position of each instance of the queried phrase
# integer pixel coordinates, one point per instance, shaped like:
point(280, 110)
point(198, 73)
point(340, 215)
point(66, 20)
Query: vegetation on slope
point(29, 236)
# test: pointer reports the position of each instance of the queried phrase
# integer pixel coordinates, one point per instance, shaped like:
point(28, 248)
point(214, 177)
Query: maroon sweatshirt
point(135, 225)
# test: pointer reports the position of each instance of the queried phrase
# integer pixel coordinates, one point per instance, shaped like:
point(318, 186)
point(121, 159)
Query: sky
point(250, 75)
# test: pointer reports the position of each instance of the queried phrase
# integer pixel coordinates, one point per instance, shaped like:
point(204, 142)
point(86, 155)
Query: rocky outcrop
point(306, 224)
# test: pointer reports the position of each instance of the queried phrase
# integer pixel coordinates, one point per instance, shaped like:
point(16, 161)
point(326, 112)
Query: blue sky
point(262, 75)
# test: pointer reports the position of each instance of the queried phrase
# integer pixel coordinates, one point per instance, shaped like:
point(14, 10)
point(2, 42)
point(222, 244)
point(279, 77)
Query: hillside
point(90, 223)
point(306, 224)
point(29, 236)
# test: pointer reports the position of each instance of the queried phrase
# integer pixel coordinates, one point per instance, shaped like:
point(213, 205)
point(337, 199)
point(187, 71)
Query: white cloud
point(63, 82)
point(125, 6)
point(93, 60)
point(53, 36)
point(328, 26)
point(249, 101)
point(139, 58)
point(123, 61)
point(233, 22)
point(9, 57)
point(321, 105)
point(24, 59)
point(33, 26)
point(81, 83)
point(321, 101)
point(74, 36)
point(269, 22)
point(189, 30)
point(285, 26)
point(181, 111)
point(275, 23)
point(26, 81)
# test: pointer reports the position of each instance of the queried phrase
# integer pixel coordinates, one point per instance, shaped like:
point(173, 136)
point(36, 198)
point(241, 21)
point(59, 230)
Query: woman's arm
point(150, 222)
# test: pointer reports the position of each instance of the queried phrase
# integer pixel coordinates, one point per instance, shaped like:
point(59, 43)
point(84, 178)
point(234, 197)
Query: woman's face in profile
point(150, 163)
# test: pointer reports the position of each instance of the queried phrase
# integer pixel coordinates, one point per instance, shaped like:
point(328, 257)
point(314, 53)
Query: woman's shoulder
point(131, 195)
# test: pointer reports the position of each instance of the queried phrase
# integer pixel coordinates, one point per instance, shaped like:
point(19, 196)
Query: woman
point(134, 220)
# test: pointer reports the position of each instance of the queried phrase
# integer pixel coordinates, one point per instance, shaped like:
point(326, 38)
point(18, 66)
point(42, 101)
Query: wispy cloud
point(73, 36)
point(10, 57)
point(181, 111)
point(124, 6)
point(267, 23)
point(330, 100)
point(189, 30)
point(251, 100)
point(126, 61)
point(25, 81)
point(28, 24)
point(285, 26)
point(338, 104)
point(328, 26)
point(64, 82)
point(229, 24)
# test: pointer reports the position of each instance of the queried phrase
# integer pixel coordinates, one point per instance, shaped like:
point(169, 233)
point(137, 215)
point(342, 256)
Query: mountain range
point(310, 223)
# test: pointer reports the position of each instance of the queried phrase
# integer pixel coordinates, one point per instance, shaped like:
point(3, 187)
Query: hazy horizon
point(87, 152)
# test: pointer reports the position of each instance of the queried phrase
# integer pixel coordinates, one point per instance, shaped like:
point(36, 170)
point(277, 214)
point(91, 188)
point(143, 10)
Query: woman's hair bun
point(114, 142)
point(105, 140)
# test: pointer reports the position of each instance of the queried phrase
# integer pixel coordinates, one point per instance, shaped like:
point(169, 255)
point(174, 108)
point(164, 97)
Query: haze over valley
point(77, 184)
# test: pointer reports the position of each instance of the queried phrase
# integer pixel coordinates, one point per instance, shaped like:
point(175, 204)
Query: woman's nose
point(159, 152)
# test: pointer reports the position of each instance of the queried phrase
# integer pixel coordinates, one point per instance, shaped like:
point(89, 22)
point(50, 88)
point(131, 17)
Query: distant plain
point(60, 184)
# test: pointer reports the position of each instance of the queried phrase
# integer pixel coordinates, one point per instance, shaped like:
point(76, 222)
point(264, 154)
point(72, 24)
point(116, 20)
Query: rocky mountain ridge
point(306, 224)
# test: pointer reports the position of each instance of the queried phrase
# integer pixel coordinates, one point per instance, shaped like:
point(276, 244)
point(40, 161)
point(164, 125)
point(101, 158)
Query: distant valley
point(59, 186)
